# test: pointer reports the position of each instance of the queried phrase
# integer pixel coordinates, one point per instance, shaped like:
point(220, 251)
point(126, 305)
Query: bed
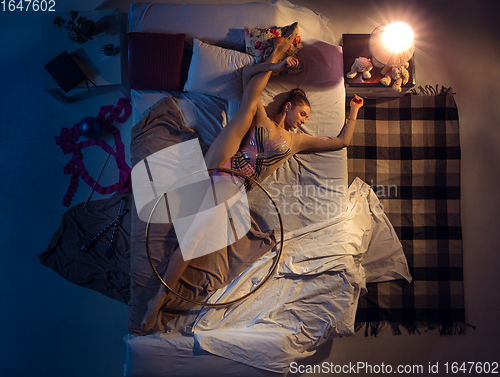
point(336, 237)
point(320, 277)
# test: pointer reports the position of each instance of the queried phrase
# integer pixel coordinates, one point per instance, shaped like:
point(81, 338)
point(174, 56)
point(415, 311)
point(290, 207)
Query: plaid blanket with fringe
point(408, 150)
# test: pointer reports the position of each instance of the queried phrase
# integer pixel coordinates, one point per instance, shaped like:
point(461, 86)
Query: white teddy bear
point(363, 65)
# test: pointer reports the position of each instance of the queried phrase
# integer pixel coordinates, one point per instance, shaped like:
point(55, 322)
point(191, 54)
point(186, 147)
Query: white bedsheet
point(176, 355)
point(313, 296)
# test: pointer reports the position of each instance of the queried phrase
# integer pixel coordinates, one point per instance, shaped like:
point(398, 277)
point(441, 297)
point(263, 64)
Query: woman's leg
point(221, 192)
point(225, 146)
point(171, 276)
point(255, 79)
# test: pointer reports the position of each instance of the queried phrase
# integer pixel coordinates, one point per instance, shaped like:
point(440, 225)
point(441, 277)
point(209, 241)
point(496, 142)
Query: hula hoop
point(266, 278)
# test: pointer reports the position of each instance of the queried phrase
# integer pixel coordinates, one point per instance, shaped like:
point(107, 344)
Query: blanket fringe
point(374, 328)
point(430, 90)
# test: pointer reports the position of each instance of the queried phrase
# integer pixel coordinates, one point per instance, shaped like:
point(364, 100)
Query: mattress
point(173, 354)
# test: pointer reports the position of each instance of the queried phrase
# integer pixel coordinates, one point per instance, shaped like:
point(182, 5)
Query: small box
point(65, 72)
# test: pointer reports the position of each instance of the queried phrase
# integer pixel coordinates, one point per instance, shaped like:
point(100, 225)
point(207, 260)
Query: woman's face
point(296, 116)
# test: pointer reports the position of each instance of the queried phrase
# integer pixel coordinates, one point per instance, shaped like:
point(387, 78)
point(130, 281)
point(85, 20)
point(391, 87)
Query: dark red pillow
point(155, 61)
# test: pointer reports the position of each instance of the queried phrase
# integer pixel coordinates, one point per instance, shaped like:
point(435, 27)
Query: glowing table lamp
point(391, 45)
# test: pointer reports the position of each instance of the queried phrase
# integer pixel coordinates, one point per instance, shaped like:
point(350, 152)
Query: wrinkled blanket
point(408, 149)
point(162, 127)
point(93, 268)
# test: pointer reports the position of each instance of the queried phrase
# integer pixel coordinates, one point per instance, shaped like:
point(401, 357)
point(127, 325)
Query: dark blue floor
point(50, 327)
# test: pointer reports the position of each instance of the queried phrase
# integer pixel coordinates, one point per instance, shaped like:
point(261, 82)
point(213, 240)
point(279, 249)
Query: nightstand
point(356, 45)
point(106, 72)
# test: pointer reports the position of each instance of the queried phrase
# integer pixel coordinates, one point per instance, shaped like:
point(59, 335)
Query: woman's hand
point(356, 102)
point(288, 62)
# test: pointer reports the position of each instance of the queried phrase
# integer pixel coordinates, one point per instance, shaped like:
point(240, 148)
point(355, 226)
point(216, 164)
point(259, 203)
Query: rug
point(408, 150)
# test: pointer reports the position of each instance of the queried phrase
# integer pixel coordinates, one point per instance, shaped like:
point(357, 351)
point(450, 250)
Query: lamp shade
point(391, 45)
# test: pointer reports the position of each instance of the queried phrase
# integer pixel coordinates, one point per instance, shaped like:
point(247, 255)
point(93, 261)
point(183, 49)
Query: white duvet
point(314, 294)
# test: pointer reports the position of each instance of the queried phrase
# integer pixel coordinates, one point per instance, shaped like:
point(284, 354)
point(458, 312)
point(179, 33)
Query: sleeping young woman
point(255, 145)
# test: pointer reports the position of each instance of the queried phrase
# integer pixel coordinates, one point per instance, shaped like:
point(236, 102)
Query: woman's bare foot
point(154, 306)
point(291, 31)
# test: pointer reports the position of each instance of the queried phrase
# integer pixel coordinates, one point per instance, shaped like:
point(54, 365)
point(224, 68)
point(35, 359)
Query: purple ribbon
point(68, 143)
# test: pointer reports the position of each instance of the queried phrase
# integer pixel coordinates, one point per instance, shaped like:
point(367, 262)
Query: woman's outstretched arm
point(323, 144)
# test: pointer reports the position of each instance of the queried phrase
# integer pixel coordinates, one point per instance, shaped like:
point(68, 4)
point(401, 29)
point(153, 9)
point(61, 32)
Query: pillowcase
point(155, 61)
point(216, 71)
point(259, 43)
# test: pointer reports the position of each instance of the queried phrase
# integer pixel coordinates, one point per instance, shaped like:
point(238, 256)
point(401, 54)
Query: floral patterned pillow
point(259, 43)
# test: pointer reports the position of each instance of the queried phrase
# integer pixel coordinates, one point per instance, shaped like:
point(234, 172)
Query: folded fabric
point(155, 61)
point(92, 268)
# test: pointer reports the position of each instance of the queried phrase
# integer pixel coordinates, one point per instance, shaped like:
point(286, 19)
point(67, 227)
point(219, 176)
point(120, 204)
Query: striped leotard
point(258, 160)
point(263, 153)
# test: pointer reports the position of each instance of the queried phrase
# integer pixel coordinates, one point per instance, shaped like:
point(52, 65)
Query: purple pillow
point(155, 61)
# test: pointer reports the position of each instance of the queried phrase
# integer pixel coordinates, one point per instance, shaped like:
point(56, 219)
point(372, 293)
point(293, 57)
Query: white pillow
point(216, 71)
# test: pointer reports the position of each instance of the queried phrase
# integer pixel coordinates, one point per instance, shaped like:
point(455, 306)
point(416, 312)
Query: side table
point(104, 71)
point(356, 45)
